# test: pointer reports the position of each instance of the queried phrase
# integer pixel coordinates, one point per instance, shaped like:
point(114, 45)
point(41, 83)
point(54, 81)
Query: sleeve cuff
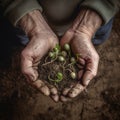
point(104, 8)
point(16, 11)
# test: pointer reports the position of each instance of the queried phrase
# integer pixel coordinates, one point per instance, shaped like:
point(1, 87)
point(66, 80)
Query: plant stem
point(50, 61)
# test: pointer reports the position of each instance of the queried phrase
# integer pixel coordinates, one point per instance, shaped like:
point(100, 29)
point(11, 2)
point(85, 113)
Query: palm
point(87, 58)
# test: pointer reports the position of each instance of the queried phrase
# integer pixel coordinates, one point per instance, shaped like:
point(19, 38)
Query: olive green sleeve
point(14, 10)
point(105, 8)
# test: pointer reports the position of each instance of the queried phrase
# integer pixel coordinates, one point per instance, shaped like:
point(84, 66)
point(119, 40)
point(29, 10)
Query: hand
point(79, 37)
point(42, 39)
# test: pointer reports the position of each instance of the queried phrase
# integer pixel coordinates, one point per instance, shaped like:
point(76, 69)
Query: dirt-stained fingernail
point(53, 91)
point(31, 78)
point(55, 97)
point(72, 94)
point(45, 90)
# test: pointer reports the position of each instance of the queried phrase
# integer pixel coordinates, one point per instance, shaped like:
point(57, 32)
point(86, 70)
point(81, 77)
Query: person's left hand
point(79, 37)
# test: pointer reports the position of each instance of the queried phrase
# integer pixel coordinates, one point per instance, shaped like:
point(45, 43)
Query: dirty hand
point(42, 39)
point(79, 37)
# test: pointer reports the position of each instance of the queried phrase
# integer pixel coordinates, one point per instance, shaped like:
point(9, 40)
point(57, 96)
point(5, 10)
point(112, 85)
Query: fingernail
point(53, 91)
point(72, 94)
point(87, 82)
point(32, 78)
point(55, 98)
point(63, 98)
point(45, 90)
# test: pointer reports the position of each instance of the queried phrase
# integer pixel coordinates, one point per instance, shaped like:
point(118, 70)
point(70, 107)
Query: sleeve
point(14, 10)
point(105, 8)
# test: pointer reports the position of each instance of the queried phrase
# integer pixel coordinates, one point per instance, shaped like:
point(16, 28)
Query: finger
point(64, 98)
point(27, 66)
point(55, 97)
point(90, 72)
point(81, 61)
point(76, 90)
point(80, 66)
point(66, 90)
point(40, 85)
point(53, 92)
point(67, 37)
point(80, 74)
point(54, 43)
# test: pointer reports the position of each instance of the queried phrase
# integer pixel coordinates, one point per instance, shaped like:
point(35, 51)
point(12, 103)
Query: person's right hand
point(42, 39)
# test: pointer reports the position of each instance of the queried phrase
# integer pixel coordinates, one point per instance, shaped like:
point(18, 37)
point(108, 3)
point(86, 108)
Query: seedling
point(72, 60)
point(64, 53)
point(61, 56)
point(67, 47)
point(51, 55)
point(57, 49)
point(58, 78)
point(73, 75)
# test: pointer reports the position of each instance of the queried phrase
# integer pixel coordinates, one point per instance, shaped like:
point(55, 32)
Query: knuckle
point(24, 71)
point(94, 73)
point(53, 41)
point(96, 57)
point(70, 32)
point(26, 53)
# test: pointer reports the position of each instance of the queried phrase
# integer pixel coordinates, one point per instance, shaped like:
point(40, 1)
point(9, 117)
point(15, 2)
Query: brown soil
point(19, 101)
point(49, 68)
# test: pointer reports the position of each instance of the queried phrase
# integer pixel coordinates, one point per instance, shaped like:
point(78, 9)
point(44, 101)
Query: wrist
point(33, 24)
point(87, 22)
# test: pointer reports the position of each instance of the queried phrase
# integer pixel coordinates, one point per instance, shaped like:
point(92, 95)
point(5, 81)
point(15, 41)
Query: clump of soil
point(48, 70)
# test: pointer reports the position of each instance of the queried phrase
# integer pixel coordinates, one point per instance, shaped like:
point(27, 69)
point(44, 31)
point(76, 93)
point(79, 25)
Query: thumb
point(27, 66)
point(67, 37)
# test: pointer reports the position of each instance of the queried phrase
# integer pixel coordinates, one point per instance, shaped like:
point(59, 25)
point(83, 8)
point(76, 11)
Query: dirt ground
point(101, 101)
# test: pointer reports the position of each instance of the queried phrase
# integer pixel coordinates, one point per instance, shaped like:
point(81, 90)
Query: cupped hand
point(42, 39)
point(79, 37)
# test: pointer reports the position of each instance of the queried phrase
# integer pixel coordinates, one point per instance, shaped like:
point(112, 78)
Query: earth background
point(19, 101)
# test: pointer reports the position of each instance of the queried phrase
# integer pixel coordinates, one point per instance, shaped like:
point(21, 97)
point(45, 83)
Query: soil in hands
point(58, 72)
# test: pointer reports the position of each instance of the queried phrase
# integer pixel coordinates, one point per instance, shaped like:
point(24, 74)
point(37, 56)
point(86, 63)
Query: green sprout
point(64, 53)
point(51, 55)
point(57, 49)
point(73, 75)
point(59, 77)
point(61, 58)
point(67, 47)
point(73, 60)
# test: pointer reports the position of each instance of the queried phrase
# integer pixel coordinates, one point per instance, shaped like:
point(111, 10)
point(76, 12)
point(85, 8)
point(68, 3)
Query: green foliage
point(59, 76)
